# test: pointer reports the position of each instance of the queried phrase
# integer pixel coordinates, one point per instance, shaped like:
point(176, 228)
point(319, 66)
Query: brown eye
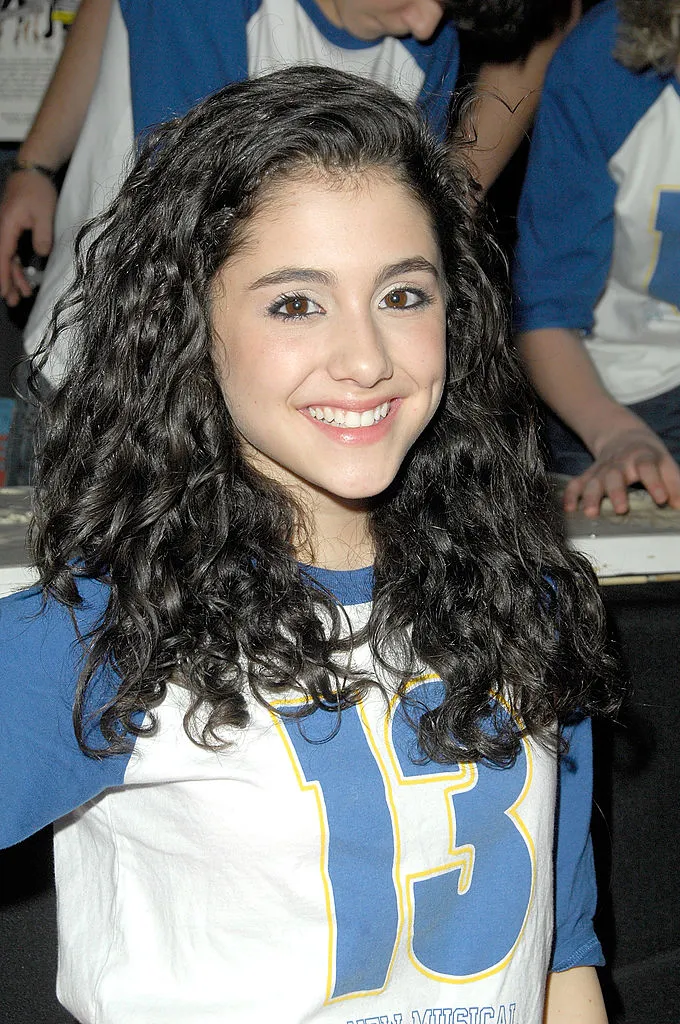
point(405, 298)
point(296, 306)
point(397, 299)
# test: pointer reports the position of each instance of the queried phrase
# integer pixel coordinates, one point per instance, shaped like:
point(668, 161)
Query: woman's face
point(330, 333)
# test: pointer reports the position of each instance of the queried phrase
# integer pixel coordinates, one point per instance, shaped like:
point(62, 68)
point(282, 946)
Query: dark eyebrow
point(286, 274)
point(408, 266)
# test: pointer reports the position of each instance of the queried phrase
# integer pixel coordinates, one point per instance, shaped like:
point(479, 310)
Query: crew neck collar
point(348, 586)
point(337, 36)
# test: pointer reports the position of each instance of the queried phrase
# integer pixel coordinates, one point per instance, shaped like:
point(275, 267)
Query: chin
point(360, 490)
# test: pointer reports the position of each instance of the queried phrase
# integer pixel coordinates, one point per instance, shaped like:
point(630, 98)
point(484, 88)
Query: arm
point(506, 98)
point(572, 981)
point(43, 771)
point(625, 449)
point(29, 199)
point(574, 997)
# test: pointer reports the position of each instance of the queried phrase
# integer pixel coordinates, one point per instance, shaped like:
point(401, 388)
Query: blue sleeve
point(43, 772)
point(576, 944)
point(439, 61)
point(565, 216)
point(180, 52)
point(565, 222)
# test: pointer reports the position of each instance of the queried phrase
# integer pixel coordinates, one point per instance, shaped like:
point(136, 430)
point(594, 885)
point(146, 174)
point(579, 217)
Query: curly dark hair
point(649, 34)
point(142, 485)
point(506, 30)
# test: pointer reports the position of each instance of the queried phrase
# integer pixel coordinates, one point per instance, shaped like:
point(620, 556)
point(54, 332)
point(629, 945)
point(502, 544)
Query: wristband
point(28, 165)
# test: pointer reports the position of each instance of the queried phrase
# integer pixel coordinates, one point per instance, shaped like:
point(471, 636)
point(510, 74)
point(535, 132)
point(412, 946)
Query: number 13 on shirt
point(424, 853)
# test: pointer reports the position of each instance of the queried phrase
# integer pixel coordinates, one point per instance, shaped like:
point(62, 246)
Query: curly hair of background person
point(508, 29)
point(649, 35)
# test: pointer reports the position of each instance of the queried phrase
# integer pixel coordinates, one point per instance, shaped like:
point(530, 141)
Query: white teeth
point(347, 417)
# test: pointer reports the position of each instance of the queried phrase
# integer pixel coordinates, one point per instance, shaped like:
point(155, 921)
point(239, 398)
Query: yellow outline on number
point(462, 857)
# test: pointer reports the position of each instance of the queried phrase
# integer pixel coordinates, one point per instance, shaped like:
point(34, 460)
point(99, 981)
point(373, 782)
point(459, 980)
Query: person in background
point(597, 275)
point(509, 44)
point(297, 682)
point(177, 58)
point(169, 58)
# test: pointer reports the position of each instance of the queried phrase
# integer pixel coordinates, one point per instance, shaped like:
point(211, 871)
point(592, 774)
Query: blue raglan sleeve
point(566, 211)
point(180, 52)
point(576, 944)
point(43, 772)
point(439, 60)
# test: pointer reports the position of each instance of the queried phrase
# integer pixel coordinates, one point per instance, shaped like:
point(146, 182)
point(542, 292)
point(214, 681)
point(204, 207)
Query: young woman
point(296, 681)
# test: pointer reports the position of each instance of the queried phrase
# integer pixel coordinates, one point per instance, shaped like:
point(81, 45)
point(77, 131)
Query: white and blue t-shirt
point(179, 55)
point(599, 217)
point(304, 872)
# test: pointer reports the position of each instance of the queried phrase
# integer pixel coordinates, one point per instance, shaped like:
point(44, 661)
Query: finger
point(573, 491)
point(6, 287)
point(616, 489)
point(8, 248)
point(592, 496)
point(650, 476)
point(42, 235)
point(11, 296)
point(20, 282)
point(670, 473)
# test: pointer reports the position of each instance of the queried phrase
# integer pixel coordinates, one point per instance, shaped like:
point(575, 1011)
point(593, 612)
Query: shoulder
point(438, 62)
point(32, 617)
point(592, 40)
point(587, 83)
point(43, 644)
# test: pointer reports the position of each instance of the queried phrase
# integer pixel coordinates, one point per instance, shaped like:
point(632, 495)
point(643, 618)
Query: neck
point(340, 537)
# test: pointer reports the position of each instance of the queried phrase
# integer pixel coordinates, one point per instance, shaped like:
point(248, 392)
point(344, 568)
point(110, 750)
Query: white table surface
point(643, 543)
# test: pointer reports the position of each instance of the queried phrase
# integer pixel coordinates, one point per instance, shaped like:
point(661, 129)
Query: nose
point(360, 353)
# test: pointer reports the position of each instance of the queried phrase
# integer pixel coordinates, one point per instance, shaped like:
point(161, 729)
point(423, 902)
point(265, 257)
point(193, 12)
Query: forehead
point(327, 211)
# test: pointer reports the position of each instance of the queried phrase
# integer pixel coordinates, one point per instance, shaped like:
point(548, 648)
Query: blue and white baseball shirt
point(179, 56)
point(599, 217)
point(304, 872)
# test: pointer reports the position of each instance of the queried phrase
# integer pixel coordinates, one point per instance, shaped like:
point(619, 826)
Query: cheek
point(428, 356)
point(233, 381)
point(258, 375)
point(435, 359)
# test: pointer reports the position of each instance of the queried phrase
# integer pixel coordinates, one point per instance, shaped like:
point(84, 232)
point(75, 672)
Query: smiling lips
point(348, 417)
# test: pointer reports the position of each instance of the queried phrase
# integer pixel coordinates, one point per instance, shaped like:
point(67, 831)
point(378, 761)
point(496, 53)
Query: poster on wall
point(32, 34)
